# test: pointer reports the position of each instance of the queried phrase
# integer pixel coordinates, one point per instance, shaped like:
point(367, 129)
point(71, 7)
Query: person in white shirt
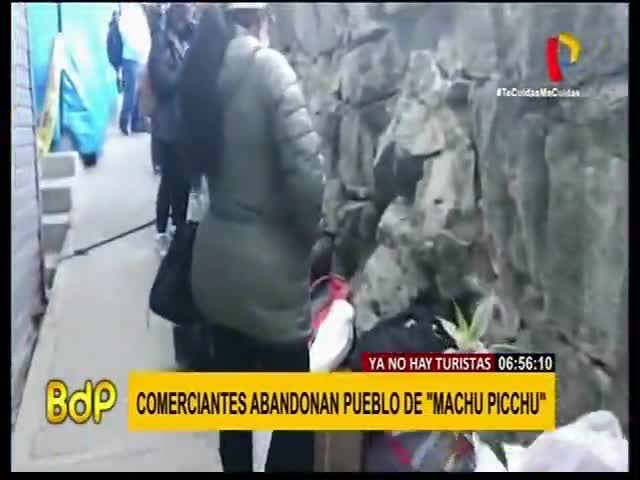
point(136, 45)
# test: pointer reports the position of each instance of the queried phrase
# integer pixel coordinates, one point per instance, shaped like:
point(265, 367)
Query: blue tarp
point(89, 94)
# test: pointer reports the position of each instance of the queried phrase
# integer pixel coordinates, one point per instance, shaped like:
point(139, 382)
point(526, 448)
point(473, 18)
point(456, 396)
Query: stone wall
point(441, 186)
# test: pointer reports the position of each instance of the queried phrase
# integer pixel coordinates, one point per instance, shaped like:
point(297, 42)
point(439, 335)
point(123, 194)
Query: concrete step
point(52, 259)
point(56, 200)
point(50, 266)
point(59, 165)
point(54, 232)
point(57, 177)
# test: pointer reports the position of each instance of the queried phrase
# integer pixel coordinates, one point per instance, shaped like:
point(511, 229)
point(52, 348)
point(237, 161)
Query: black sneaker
point(138, 128)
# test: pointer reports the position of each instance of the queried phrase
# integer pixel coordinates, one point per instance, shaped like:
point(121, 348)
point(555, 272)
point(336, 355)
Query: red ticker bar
point(429, 362)
point(526, 362)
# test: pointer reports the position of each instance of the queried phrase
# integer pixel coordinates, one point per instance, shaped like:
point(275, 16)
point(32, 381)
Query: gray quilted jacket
point(250, 262)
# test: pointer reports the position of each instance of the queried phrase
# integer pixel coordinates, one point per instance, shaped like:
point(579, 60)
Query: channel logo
point(563, 51)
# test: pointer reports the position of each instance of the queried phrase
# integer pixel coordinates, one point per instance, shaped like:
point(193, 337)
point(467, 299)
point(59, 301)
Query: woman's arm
point(298, 143)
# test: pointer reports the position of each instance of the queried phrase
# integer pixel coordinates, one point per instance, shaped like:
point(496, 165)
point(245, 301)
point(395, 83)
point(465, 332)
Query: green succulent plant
point(468, 335)
point(468, 339)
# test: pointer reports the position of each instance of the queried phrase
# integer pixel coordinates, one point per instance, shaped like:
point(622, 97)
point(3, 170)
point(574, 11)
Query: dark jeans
point(129, 114)
point(173, 192)
point(290, 451)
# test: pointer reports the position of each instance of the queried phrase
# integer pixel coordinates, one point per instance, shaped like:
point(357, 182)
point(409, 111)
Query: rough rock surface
point(448, 188)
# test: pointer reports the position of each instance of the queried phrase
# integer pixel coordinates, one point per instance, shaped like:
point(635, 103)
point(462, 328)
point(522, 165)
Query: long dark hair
point(198, 98)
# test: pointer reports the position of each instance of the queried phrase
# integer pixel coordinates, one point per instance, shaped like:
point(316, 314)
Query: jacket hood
point(237, 61)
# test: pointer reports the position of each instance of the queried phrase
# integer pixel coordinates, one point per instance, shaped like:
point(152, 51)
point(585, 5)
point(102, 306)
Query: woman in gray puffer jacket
point(250, 133)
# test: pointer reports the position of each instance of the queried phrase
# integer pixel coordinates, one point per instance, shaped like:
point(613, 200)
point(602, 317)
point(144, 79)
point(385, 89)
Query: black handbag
point(171, 297)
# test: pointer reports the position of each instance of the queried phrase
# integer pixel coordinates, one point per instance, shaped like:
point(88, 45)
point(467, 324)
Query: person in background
point(156, 19)
point(248, 130)
point(136, 46)
point(165, 61)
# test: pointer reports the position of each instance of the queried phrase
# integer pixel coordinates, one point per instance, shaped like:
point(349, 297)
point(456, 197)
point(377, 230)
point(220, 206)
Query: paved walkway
point(96, 327)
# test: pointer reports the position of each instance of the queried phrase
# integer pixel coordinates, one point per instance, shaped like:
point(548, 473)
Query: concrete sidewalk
point(96, 327)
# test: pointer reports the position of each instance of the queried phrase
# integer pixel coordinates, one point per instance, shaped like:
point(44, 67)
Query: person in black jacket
point(165, 61)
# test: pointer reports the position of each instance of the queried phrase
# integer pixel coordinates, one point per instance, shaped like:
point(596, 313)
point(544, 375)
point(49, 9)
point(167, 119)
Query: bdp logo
point(563, 51)
point(81, 405)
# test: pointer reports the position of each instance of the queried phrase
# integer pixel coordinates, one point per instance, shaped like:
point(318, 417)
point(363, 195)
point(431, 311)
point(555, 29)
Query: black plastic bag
point(171, 297)
point(414, 330)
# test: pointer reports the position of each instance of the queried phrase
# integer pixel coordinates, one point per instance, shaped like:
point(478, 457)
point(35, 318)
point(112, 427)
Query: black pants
point(173, 192)
point(290, 451)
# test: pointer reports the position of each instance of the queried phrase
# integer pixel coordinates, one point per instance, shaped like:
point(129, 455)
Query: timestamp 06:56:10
point(526, 362)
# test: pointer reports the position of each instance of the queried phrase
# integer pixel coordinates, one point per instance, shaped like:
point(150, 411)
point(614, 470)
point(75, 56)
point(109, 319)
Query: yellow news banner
point(342, 401)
